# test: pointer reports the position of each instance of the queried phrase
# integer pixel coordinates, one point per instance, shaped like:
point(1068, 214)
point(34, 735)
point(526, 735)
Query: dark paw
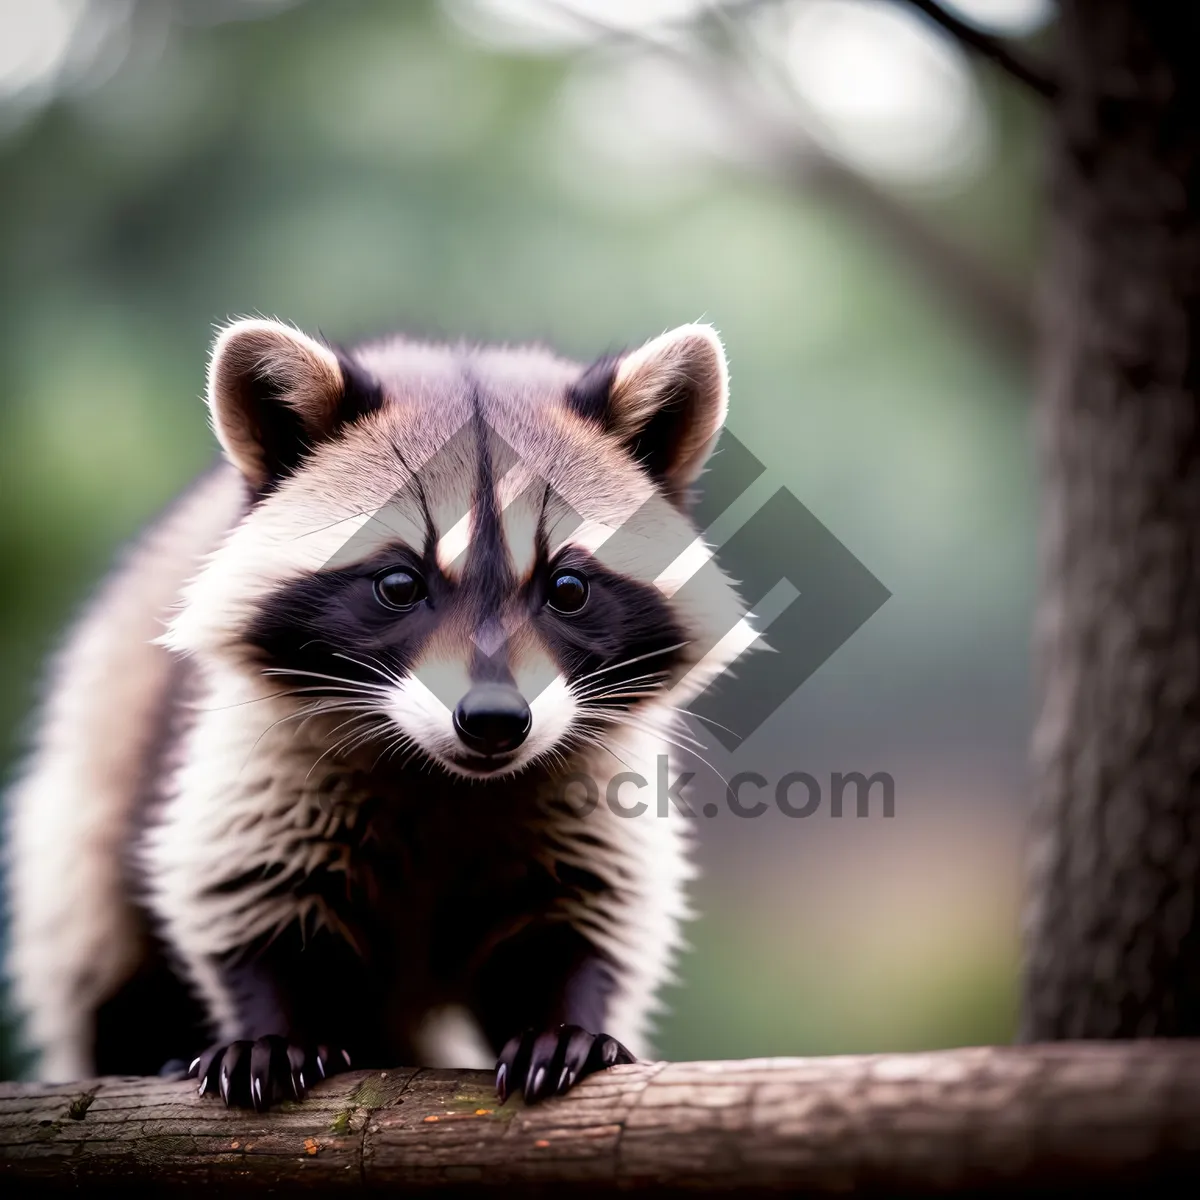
point(548, 1064)
point(258, 1074)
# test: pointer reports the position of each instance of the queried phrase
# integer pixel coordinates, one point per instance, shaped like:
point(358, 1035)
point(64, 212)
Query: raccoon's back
point(75, 933)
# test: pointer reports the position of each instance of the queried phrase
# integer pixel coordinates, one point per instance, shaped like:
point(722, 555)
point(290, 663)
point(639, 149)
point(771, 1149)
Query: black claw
point(295, 1061)
point(208, 1069)
point(260, 1073)
point(263, 1072)
point(541, 1055)
point(575, 1055)
point(235, 1075)
point(514, 1060)
point(552, 1062)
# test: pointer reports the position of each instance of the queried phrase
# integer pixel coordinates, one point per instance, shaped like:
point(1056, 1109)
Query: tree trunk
point(1113, 927)
point(1079, 1117)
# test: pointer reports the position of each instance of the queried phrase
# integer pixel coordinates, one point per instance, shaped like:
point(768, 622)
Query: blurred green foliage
point(366, 165)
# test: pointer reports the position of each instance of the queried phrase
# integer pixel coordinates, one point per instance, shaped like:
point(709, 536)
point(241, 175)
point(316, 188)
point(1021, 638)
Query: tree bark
point(1086, 1117)
point(1113, 923)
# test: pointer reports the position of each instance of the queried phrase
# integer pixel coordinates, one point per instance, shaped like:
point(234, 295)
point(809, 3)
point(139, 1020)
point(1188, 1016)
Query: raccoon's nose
point(492, 718)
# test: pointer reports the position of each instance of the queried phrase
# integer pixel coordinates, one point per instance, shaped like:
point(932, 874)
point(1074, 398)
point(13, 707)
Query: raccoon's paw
point(259, 1073)
point(550, 1063)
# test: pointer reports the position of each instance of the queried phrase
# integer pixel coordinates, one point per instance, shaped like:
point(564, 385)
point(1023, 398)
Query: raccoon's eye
point(399, 589)
point(568, 592)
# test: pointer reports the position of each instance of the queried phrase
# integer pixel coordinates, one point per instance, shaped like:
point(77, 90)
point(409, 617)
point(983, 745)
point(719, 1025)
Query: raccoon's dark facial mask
point(466, 547)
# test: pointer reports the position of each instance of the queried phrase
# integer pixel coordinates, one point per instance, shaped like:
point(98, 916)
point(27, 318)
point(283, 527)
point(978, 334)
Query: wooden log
point(1083, 1116)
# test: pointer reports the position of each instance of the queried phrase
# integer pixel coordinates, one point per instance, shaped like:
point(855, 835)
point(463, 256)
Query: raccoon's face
point(479, 556)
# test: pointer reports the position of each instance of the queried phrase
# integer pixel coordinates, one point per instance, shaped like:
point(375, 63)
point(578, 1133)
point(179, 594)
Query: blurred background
point(834, 184)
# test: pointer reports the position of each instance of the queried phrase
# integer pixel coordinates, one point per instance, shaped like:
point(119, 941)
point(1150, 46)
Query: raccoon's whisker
point(671, 741)
point(242, 703)
point(313, 710)
point(600, 685)
point(646, 675)
point(586, 736)
point(387, 747)
point(372, 665)
point(349, 720)
point(603, 696)
point(291, 694)
point(554, 754)
point(357, 684)
point(360, 684)
point(405, 740)
point(375, 728)
point(677, 733)
point(687, 750)
point(624, 716)
point(356, 690)
point(687, 712)
point(304, 712)
point(358, 712)
point(309, 709)
point(410, 748)
point(370, 732)
point(641, 692)
point(597, 744)
point(413, 751)
point(321, 712)
point(630, 661)
point(673, 727)
point(608, 749)
point(337, 747)
point(391, 745)
point(586, 702)
point(329, 704)
point(397, 739)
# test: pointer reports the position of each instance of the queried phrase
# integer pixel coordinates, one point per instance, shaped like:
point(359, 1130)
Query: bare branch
point(974, 288)
point(1084, 1116)
point(995, 50)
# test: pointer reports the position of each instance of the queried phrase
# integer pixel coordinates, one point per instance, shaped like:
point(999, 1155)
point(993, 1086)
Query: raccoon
point(311, 784)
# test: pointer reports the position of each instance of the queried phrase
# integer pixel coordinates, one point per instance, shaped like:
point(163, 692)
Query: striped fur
point(306, 793)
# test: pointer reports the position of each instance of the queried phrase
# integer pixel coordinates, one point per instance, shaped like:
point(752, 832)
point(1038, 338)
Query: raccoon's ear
point(274, 393)
point(666, 401)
